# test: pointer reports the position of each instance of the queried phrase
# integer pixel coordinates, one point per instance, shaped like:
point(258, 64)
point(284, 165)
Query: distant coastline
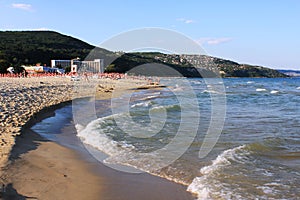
point(291, 73)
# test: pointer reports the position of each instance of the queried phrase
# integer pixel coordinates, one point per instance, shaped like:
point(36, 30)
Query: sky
point(258, 32)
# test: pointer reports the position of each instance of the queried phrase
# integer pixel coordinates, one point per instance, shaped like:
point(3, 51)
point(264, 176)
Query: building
point(95, 66)
point(63, 63)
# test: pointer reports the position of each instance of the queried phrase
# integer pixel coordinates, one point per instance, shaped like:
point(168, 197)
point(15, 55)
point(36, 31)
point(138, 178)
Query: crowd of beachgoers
point(85, 76)
point(71, 74)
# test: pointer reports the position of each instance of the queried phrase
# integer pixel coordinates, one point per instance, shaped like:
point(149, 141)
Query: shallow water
point(257, 155)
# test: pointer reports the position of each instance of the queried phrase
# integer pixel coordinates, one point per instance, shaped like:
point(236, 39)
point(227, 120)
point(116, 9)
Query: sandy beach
point(33, 167)
point(21, 99)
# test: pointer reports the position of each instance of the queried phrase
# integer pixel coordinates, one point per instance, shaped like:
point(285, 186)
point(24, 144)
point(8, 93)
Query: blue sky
point(264, 32)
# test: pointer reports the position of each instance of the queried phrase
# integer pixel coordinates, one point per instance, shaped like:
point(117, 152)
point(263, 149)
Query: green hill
point(30, 47)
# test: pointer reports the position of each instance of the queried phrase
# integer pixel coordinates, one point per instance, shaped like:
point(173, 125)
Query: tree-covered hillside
point(31, 47)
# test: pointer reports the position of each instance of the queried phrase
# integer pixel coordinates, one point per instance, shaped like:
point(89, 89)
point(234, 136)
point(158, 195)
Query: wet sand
point(41, 169)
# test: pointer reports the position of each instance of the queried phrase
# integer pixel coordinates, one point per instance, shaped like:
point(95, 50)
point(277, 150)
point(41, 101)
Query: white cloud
point(186, 21)
point(213, 41)
point(22, 6)
point(189, 21)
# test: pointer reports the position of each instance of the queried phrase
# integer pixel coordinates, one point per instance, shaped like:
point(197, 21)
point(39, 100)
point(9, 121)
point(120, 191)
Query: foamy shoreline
point(22, 98)
point(43, 164)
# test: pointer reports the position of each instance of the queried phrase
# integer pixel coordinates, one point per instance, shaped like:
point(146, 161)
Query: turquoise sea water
point(256, 156)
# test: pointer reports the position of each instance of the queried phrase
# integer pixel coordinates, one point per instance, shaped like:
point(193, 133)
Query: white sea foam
point(79, 127)
point(250, 82)
point(142, 104)
point(222, 160)
point(261, 90)
point(267, 173)
point(274, 91)
point(177, 88)
point(196, 82)
point(94, 135)
point(266, 189)
point(273, 184)
point(270, 189)
point(206, 186)
point(99, 135)
point(149, 97)
point(210, 91)
point(298, 88)
point(157, 108)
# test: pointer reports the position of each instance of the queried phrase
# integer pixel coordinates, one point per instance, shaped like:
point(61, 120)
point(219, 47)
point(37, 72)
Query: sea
point(232, 138)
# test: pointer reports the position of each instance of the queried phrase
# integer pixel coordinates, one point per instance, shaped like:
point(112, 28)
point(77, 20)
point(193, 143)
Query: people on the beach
point(86, 76)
